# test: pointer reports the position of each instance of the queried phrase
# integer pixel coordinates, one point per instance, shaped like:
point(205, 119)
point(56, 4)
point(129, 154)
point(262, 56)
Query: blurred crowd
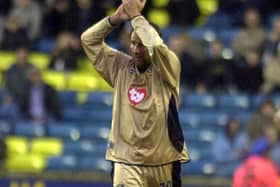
point(250, 62)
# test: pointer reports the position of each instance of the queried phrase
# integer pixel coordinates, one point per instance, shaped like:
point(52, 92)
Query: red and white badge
point(136, 95)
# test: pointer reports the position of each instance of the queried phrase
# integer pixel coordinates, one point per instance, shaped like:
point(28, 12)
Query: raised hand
point(133, 7)
point(119, 16)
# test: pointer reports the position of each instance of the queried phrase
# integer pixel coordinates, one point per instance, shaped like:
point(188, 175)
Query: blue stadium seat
point(205, 120)
point(198, 135)
point(233, 102)
point(200, 167)
point(200, 153)
point(227, 36)
point(99, 134)
point(195, 100)
point(257, 99)
point(29, 129)
point(98, 116)
point(68, 98)
point(202, 33)
point(5, 128)
point(96, 164)
point(217, 21)
point(64, 130)
point(99, 100)
point(170, 31)
point(243, 118)
point(62, 163)
point(276, 99)
point(83, 148)
point(73, 114)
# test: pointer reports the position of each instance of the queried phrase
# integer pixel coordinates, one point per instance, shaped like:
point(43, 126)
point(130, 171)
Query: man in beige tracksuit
point(146, 144)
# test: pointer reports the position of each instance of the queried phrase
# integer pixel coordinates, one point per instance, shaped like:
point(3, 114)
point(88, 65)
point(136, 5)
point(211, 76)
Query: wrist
point(115, 20)
point(134, 16)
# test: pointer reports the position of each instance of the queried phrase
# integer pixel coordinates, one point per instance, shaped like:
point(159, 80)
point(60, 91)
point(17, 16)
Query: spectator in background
point(270, 133)
point(248, 72)
point(183, 13)
point(29, 15)
point(3, 153)
point(191, 72)
point(14, 35)
point(273, 41)
point(59, 16)
point(258, 169)
point(252, 36)
point(275, 152)
point(229, 148)
point(15, 78)
point(5, 7)
point(262, 118)
point(276, 122)
point(219, 73)
point(271, 74)
point(64, 57)
point(40, 101)
point(89, 12)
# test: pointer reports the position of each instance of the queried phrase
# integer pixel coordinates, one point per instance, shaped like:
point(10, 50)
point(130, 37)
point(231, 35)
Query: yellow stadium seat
point(46, 146)
point(160, 3)
point(84, 65)
point(104, 86)
point(82, 82)
point(55, 78)
point(161, 17)
point(40, 60)
point(1, 79)
point(17, 145)
point(26, 163)
point(207, 7)
point(6, 59)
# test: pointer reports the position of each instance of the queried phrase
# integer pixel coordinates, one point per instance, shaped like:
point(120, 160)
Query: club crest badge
point(136, 95)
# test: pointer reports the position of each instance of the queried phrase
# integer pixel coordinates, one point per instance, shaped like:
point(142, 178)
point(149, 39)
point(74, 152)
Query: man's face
point(139, 52)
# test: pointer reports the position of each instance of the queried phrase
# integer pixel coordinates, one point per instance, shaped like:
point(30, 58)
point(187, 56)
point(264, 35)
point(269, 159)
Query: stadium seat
point(84, 147)
point(200, 167)
point(98, 116)
point(46, 146)
point(73, 114)
point(233, 101)
point(29, 129)
point(40, 60)
point(227, 36)
point(82, 82)
point(202, 34)
point(5, 128)
point(98, 134)
point(64, 130)
point(195, 100)
point(199, 153)
point(26, 163)
point(99, 100)
point(243, 118)
point(203, 120)
point(96, 164)
point(55, 78)
point(46, 45)
point(159, 16)
point(6, 59)
point(198, 135)
point(218, 21)
point(17, 145)
point(61, 163)
point(68, 98)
